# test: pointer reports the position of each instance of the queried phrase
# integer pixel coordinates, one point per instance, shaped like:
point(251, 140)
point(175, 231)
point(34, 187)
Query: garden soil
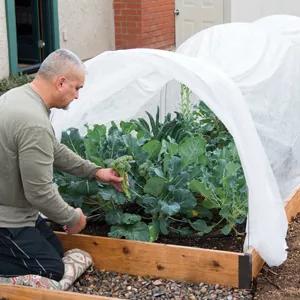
point(282, 283)
point(214, 240)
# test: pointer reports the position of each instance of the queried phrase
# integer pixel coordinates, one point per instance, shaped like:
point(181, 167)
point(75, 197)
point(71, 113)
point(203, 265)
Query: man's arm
point(35, 152)
point(67, 161)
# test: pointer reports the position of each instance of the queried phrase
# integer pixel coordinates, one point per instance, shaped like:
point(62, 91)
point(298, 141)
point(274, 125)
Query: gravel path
point(112, 284)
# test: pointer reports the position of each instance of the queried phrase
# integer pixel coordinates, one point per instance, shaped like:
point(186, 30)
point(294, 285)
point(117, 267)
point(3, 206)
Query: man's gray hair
point(60, 62)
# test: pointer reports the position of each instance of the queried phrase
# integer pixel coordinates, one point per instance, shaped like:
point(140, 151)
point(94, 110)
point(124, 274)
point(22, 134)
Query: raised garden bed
point(158, 260)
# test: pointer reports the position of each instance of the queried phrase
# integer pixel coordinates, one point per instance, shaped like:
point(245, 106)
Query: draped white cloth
point(261, 58)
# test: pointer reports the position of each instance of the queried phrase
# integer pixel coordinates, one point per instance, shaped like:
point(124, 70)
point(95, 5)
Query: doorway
point(192, 16)
point(32, 33)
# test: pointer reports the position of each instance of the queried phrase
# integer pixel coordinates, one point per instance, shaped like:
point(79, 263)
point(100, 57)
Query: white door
point(195, 15)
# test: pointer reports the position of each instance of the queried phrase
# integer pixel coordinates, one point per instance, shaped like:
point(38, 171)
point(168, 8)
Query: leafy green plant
point(184, 175)
point(14, 81)
point(186, 105)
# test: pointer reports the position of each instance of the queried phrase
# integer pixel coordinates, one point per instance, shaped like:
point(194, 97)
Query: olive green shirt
point(28, 153)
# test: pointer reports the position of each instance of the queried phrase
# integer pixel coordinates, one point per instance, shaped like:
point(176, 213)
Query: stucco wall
point(86, 26)
point(4, 62)
point(245, 10)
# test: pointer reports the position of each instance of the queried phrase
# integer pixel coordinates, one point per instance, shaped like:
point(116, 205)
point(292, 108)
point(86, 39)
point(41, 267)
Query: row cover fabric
point(246, 73)
point(260, 57)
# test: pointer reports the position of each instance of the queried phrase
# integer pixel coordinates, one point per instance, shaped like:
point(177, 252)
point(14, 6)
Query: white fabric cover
point(247, 73)
point(260, 57)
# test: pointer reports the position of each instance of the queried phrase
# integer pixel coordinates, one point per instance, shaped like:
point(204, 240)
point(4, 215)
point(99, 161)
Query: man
point(28, 153)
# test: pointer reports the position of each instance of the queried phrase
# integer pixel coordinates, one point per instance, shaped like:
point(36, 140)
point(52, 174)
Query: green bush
point(14, 81)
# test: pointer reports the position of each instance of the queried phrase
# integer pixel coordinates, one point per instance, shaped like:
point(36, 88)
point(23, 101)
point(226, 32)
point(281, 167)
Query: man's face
point(68, 88)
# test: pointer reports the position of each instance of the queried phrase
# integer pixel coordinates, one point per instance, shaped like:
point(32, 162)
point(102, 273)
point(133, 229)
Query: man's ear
point(59, 81)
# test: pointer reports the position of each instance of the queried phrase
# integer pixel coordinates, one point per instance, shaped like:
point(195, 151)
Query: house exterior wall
point(4, 60)
point(144, 24)
point(158, 24)
point(247, 11)
point(86, 26)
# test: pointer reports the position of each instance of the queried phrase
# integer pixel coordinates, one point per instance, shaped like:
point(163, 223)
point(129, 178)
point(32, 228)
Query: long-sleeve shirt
point(28, 153)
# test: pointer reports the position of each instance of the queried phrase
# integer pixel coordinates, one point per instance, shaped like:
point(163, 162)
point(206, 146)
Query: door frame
point(52, 28)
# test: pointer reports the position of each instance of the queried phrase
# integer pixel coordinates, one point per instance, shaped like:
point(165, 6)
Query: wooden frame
point(157, 260)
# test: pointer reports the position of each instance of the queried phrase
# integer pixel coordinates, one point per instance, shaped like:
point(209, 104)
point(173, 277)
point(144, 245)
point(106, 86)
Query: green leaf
point(226, 229)
point(174, 166)
point(163, 226)
point(106, 193)
point(97, 133)
point(150, 205)
point(81, 187)
point(158, 172)
point(76, 201)
point(152, 148)
point(134, 148)
point(154, 186)
point(72, 139)
point(232, 168)
point(185, 198)
point(130, 219)
point(94, 142)
point(225, 212)
point(142, 128)
point(201, 226)
point(204, 212)
point(163, 149)
point(91, 152)
point(138, 231)
point(210, 204)
point(181, 180)
point(113, 217)
point(200, 188)
point(172, 147)
point(120, 198)
point(191, 149)
point(154, 125)
point(127, 127)
point(149, 201)
point(169, 209)
point(109, 193)
point(153, 230)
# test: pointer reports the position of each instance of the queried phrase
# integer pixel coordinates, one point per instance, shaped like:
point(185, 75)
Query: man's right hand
point(80, 224)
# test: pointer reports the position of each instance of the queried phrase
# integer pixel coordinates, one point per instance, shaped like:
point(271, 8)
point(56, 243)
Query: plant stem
point(177, 220)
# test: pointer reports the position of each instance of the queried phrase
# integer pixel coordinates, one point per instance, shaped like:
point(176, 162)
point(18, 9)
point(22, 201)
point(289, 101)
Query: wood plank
point(14, 292)
point(257, 262)
point(292, 207)
point(158, 260)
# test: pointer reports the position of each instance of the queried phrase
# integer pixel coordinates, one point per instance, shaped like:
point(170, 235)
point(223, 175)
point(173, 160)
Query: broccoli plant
point(184, 171)
point(122, 166)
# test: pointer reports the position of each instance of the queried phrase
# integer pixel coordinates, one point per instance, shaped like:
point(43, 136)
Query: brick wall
point(144, 23)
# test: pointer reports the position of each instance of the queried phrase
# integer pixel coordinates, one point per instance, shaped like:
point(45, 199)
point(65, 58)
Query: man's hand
point(108, 175)
point(80, 224)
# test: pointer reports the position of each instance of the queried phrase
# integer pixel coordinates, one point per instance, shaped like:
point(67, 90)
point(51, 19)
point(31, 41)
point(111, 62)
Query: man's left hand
point(109, 175)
